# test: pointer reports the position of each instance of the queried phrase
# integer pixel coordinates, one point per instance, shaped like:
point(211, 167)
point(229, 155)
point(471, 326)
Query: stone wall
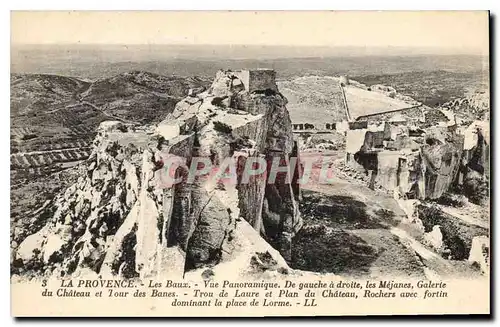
point(257, 80)
point(409, 114)
point(415, 165)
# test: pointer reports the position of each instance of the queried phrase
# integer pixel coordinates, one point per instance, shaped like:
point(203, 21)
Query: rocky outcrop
point(231, 122)
point(414, 163)
point(471, 107)
point(455, 237)
point(474, 171)
point(138, 210)
point(442, 155)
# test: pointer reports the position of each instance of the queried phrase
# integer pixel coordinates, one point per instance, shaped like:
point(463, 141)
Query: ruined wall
point(409, 114)
point(262, 80)
point(419, 165)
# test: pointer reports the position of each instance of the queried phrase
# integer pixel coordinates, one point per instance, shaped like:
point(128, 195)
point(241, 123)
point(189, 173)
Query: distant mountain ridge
point(97, 61)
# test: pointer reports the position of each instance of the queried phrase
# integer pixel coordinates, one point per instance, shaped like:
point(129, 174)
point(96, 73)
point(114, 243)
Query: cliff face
point(415, 162)
point(125, 217)
point(474, 174)
point(473, 106)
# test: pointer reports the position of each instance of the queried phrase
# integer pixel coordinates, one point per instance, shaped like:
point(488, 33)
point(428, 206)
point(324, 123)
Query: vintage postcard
point(269, 163)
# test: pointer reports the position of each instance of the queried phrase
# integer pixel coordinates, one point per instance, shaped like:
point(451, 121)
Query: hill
point(50, 111)
point(40, 92)
point(140, 96)
point(54, 121)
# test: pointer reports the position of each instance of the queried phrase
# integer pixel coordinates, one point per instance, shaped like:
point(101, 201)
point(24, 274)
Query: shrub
point(218, 101)
point(123, 128)
point(222, 127)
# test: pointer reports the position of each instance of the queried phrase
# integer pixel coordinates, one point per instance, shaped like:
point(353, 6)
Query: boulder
point(480, 253)
point(31, 247)
point(435, 238)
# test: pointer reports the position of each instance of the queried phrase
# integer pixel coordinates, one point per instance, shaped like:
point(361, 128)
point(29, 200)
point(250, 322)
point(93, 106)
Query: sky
point(466, 30)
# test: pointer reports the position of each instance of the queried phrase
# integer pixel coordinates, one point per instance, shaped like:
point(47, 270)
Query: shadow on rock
point(325, 250)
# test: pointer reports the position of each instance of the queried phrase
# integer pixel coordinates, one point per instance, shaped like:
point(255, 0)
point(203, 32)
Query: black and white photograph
point(302, 163)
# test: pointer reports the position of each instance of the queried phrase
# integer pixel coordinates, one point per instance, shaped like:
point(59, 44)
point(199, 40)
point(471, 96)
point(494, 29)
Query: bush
point(451, 200)
point(123, 128)
point(218, 101)
point(476, 188)
point(222, 127)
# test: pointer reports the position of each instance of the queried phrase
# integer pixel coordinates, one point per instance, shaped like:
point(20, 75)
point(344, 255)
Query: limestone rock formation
point(442, 155)
point(435, 238)
point(414, 161)
point(125, 216)
point(472, 106)
point(474, 171)
point(456, 235)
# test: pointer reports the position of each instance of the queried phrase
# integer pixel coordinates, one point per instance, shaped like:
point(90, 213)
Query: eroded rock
point(127, 217)
point(415, 162)
point(480, 253)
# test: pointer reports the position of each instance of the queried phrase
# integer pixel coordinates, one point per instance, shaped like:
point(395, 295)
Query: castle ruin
point(257, 79)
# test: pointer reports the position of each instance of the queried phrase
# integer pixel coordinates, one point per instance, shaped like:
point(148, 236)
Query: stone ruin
point(120, 219)
point(256, 80)
point(420, 155)
point(419, 159)
point(405, 156)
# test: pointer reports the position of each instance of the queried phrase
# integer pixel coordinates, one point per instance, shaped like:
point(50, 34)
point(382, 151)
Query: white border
point(254, 5)
point(191, 5)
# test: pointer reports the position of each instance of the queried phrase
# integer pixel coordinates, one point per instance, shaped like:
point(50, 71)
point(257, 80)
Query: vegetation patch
point(222, 127)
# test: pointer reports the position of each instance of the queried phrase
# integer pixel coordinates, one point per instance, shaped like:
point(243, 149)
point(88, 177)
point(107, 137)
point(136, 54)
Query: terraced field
point(54, 118)
point(40, 159)
point(53, 124)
